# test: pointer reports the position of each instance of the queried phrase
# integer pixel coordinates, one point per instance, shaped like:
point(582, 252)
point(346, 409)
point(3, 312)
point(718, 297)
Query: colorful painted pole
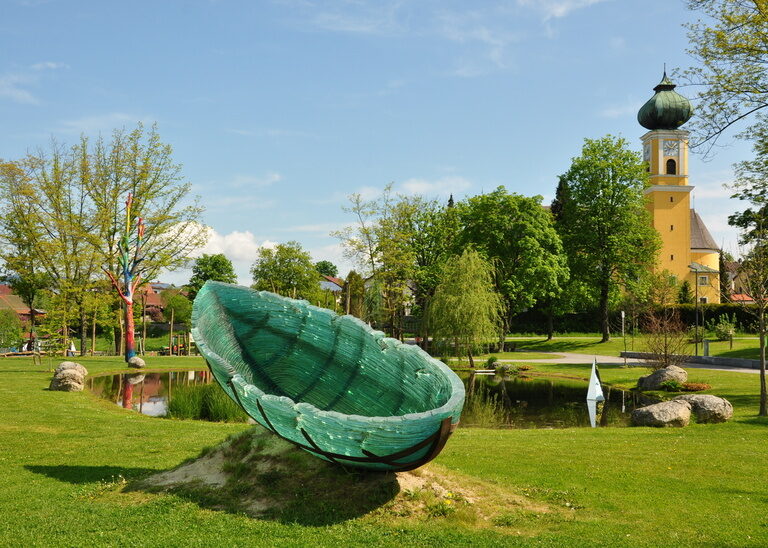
point(130, 274)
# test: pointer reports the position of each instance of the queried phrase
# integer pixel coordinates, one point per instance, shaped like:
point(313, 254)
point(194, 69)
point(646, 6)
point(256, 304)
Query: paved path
point(570, 357)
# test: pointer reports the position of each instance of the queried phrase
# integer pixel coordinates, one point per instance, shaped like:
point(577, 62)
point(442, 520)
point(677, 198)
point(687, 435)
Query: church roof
point(700, 236)
point(667, 109)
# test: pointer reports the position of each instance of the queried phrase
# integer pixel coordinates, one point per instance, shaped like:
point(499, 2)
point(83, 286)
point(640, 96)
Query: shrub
point(723, 327)
point(490, 363)
point(695, 337)
point(672, 386)
point(695, 386)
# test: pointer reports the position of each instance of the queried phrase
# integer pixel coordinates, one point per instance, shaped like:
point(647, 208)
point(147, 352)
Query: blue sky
point(280, 109)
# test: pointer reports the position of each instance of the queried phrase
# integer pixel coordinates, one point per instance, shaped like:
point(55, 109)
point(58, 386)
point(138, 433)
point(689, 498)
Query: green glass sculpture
point(327, 383)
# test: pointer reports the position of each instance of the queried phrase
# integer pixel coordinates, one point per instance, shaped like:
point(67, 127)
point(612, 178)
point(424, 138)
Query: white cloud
point(452, 184)
point(555, 9)
point(251, 181)
point(102, 123)
point(48, 65)
point(11, 88)
point(13, 85)
point(241, 248)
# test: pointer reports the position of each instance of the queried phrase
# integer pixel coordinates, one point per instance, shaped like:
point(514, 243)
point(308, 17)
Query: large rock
point(708, 408)
point(136, 362)
point(63, 366)
point(666, 413)
point(67, 380)
point(654, 380)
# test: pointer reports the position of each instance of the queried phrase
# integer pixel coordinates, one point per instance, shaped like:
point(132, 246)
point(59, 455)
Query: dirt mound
point(258, 474)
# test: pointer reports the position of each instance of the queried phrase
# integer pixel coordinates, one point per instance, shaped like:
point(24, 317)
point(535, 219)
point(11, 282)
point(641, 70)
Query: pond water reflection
point(510, 401)
point(519, 401)
point(147, 392)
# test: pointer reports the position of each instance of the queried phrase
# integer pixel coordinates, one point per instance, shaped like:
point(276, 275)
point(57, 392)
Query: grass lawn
point(64, 456)
point(584, 344)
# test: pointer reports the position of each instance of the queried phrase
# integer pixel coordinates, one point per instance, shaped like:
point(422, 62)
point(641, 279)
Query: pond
point(510, 401)
point(147, 392)
point(520, 401)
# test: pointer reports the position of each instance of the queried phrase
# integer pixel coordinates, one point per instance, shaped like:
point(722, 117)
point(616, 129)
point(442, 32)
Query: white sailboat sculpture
point(594, 394)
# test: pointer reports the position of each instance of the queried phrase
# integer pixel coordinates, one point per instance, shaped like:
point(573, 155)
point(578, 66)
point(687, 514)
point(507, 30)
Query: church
point(688, 250)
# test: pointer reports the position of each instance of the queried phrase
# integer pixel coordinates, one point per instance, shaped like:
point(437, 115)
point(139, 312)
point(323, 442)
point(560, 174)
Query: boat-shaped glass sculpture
point(328, 383)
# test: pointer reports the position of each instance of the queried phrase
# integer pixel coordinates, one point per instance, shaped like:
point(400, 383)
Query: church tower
point(688, 250)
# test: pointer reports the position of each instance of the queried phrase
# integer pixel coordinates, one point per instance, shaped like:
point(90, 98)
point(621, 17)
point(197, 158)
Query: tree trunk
point(170, 335)
point(31, 328)
point(83, 331)
point(550, 324)
point(763, 393)
point(130, 331)
point(471, 359)
point(93, 334)
point(604, 325)
point(144, 323)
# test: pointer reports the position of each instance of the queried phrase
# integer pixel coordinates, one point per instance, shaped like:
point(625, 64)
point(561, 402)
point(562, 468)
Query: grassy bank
point(586, 344)
point(66, 455)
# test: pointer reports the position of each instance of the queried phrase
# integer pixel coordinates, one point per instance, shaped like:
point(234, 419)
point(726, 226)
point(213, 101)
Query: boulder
point(666, 413)
point(654, 380)
point(63, 366)
point(67, 380)
point(708, 408)
point(136, 362)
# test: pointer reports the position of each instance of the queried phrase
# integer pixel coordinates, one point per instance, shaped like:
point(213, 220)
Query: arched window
point(671, 167)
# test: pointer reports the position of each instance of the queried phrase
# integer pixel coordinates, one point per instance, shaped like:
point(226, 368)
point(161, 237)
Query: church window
point(671, 198)
point(671, 167)
point(703, 300)
point(703, 280)
point(671, 257)
point(671, 228)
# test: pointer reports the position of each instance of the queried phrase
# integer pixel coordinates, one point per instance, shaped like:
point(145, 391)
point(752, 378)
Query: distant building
point(688, 250)
point(330, 283)
point(11, 301)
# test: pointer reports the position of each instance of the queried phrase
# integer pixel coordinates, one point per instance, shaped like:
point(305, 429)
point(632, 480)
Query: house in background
point(330, 283)
point(10, 301)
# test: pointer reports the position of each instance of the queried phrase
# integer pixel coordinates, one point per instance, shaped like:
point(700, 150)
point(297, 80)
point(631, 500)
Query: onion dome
point(665, 110)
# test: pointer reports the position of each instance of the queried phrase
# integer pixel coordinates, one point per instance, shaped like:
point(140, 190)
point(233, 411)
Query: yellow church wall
point(671, 219)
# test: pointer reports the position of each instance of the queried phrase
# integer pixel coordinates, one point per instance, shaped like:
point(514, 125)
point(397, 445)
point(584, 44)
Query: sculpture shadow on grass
point(258, 474)
point(88, 474)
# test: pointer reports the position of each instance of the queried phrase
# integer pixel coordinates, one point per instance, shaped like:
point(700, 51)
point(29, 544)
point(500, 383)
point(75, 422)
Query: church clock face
point(671, 148)
point(647, 152)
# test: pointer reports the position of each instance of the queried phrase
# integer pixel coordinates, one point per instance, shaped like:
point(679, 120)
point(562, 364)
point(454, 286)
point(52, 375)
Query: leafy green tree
point(327, 268)
point(176, 303)
point(48, 218)
point(606, 229)
point(210, 267)
point(751, 187)
point(725, 279)
point(730, 46)
point(286, 270)
point(685, 295)
point(517, 235)
point(10, 329)
point(354, 294)
point(466, 310)
point(65, 208)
